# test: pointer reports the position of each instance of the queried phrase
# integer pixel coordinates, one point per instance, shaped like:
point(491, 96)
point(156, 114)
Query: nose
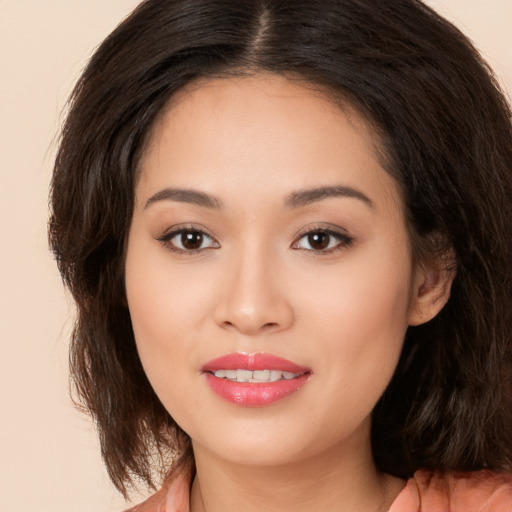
point(254, 298)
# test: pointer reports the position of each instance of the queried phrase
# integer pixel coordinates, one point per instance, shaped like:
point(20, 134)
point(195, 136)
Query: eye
point(323, 240)
point(188, 240)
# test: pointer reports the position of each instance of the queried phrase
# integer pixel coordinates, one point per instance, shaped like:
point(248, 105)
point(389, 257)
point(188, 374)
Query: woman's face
point(265, 229)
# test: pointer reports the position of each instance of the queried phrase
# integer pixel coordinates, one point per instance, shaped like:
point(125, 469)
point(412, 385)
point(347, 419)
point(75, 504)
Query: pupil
point(192, 240)
point(318, 240)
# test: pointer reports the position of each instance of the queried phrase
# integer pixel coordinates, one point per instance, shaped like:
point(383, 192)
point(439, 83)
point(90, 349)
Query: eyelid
point(345, 240)
point(171, 232)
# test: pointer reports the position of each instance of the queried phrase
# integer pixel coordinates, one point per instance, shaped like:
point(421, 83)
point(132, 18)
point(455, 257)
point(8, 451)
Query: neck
point(326, 482)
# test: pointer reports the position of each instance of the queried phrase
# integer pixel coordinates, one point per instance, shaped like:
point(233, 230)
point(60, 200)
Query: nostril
point(250, 317)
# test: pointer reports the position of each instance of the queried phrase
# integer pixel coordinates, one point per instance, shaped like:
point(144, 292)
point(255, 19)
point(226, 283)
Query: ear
point(431, 288)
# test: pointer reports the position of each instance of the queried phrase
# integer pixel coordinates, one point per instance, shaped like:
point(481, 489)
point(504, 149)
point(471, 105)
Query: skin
point(257, 284)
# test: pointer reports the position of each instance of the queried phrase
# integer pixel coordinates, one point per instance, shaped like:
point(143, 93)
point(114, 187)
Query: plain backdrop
point(49, 456)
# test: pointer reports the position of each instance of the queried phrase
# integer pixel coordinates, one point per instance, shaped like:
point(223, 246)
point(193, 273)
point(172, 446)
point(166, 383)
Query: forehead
point(259, 102)
point(261, 130)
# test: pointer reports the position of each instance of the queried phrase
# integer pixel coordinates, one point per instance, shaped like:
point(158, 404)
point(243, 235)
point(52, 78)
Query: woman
point(285, 226)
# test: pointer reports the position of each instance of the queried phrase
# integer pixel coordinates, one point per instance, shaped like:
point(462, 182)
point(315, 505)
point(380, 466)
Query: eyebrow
point(183, 195)
point(312, 195)
point(296, 199)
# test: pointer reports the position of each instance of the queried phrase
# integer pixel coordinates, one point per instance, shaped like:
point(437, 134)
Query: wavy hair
point(446, 135)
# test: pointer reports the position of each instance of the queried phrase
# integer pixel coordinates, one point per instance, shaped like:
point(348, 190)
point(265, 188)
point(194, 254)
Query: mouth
point(254, 380)
point(256, 376)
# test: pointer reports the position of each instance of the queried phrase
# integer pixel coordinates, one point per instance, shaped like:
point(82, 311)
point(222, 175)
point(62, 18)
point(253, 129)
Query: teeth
point(243, 375)
point(261, 375)
point(275, 375)
point(255, 376)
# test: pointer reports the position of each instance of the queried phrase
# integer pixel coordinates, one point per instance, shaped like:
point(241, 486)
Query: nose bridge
point(254, 300)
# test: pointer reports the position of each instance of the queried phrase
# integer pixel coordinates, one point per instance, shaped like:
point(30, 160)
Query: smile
point(257, 376)
point(254, 380)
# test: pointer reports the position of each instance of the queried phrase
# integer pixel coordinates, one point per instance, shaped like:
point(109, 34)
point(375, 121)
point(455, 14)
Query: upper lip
point(238, 361)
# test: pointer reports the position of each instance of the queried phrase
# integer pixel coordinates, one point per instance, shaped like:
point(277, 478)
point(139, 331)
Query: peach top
point(479, 491)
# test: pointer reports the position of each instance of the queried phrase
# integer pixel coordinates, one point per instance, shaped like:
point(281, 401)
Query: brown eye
point(188, 241)
point(323, 241)
point(191, 240)
point(319, 241)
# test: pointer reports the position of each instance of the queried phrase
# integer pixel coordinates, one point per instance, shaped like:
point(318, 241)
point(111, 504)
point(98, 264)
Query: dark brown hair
point(446, 134)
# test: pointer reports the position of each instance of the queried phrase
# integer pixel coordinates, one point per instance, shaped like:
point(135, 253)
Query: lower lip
point(251, 394)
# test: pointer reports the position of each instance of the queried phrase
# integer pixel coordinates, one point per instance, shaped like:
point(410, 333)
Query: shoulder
point(478, 491)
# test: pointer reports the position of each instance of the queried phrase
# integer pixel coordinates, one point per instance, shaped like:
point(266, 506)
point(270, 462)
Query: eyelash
point(344, 241)
point(166, 239)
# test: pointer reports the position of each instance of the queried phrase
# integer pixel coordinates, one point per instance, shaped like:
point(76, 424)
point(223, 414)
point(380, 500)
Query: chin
point(256, 452)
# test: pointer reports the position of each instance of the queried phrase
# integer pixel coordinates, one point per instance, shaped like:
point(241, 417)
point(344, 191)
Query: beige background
point(49, 458)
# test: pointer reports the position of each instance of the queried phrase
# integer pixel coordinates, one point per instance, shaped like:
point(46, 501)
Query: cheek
point(158, 322)
point(359, 324)
point(169, 305)
point(164, 303)
point(163, 296)
point(151, 304)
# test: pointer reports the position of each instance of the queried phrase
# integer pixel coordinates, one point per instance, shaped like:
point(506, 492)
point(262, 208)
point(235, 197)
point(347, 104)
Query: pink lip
point(254, 394)
point(253, 362)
